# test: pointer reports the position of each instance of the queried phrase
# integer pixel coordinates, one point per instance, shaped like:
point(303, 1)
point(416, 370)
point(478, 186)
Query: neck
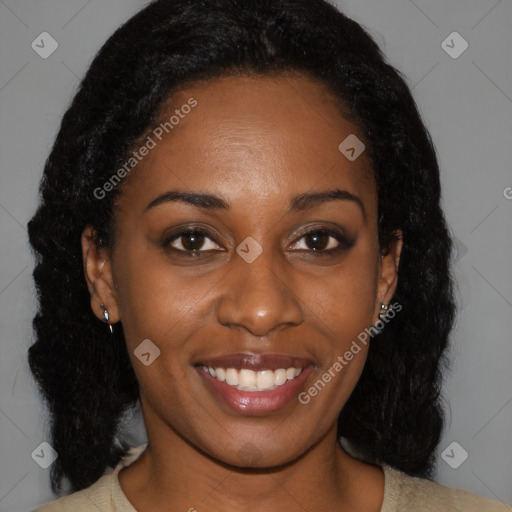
point(172, 474)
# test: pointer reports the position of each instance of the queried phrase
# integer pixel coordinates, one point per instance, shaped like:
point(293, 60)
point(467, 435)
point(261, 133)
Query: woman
point(240, 227)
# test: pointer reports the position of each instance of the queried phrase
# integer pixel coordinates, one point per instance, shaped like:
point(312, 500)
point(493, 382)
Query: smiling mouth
point(249, 380)
point(254, 384)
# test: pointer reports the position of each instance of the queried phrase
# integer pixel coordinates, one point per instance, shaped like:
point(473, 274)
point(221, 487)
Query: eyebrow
point(310, 200)
point(299, 203)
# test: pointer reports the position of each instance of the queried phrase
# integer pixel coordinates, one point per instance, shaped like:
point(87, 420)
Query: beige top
point(402, 493)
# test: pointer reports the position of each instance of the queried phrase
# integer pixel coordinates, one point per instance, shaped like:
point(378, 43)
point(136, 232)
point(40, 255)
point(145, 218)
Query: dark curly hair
point(394, 415)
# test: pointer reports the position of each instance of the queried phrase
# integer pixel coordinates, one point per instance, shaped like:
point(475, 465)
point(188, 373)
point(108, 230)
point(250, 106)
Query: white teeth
point(221, 374)
point(232, 377)
point(246, 378)
point(280, 376)
point(249, 380)
point(265, 379)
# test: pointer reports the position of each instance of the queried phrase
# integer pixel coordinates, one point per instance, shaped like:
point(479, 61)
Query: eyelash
point(343, 242)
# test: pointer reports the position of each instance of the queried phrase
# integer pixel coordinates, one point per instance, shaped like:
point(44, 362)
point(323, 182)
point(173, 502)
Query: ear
point(388, 274)
point(98, 275)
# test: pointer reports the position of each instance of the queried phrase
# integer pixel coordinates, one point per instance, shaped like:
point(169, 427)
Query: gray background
point(467, 105)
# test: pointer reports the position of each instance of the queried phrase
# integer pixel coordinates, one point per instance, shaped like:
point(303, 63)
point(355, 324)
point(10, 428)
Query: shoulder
point(105, 494)
point(94, 498)
point(409, 494)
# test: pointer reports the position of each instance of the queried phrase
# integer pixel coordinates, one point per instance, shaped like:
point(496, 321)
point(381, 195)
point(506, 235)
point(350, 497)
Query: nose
point(258, 297)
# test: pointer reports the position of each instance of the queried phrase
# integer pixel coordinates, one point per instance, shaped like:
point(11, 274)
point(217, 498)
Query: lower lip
point(255, 403)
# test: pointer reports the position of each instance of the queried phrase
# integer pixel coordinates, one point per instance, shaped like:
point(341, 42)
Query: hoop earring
point(106, 318)
point(384, 310)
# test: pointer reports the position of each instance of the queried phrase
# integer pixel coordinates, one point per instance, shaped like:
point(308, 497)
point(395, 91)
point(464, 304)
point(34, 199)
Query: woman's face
point(283, 270)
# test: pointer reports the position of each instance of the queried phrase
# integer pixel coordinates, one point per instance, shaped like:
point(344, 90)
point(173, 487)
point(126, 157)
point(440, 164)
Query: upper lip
point(256, 362)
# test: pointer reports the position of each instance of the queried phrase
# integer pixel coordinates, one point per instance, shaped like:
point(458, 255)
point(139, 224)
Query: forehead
point(252, 137)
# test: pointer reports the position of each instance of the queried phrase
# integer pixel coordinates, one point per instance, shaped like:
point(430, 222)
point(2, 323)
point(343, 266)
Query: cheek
point(157, 300)
point(344, 298)
point(342, 307)
point(161, 303)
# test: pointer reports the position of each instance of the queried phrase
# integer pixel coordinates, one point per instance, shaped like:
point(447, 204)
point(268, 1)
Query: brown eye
point(191, 241)
point(317, 240)
point(323, 242)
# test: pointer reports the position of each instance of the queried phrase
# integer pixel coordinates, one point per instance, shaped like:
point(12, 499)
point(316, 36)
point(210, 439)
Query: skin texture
point(257, 142)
